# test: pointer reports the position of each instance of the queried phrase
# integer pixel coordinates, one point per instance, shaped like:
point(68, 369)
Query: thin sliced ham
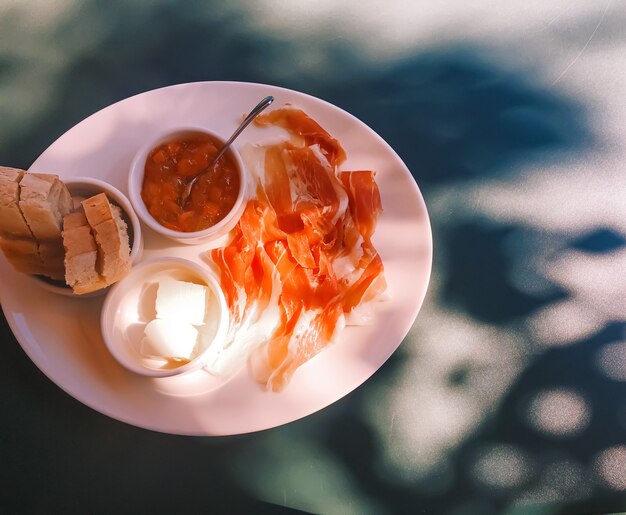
point(301, 257)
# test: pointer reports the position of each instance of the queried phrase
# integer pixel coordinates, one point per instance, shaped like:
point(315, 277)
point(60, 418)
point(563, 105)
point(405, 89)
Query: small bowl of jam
point(160, 171)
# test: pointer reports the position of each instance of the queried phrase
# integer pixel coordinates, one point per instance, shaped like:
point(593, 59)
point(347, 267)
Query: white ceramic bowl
point(135, 182)
point(84, 187)
point(130, 305)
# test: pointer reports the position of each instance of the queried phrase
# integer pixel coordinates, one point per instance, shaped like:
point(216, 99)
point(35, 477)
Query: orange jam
point(170, 165)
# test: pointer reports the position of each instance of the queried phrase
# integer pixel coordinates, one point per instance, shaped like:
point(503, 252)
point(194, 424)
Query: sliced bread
point(43, 198)
point(12, 222)
point(44, 232)
point(44, 201)
point(111, 235)
point(23, 254)
point(81, 255)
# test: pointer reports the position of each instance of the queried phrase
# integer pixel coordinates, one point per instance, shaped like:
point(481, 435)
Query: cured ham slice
point(301, 257)
point(298, 123)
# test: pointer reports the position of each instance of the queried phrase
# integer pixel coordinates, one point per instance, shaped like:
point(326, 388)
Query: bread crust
point(98, 209)
point(23, 254)
point(44, 201)
point(37, 199)
point(81, 254)
point(111, 235)
point(52, 256)
point(12, 221)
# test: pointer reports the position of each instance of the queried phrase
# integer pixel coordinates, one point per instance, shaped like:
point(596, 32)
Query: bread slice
point(12, 222)
point(44, 200)
point(81, 255)
point(22, 248)
point(42, 231)
point(52, 256)
point(23, 254)
point(111, 234)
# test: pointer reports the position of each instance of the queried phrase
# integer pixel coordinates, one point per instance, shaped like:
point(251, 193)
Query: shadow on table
point(455, 117)
point(457, 120)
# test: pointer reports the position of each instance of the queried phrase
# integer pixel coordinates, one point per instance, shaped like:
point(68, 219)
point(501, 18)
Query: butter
point(181, 309)
point(182, 301)
point(170, 339)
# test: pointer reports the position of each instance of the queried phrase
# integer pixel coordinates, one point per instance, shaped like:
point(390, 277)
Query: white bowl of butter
point(165, 318)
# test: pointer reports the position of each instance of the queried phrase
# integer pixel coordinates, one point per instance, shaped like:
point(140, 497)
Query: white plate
point(62, 336)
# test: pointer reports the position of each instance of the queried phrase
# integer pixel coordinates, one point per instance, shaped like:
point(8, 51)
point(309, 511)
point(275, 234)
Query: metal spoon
point(184, 197)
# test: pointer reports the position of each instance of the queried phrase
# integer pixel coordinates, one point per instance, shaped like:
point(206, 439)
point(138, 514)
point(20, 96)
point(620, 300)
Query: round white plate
point(62, 335)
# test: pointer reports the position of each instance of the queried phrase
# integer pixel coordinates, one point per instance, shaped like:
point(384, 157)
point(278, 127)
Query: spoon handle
point(257, 109)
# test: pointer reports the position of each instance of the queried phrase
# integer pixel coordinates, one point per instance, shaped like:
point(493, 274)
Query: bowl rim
point(135, 180)
point(115, 294)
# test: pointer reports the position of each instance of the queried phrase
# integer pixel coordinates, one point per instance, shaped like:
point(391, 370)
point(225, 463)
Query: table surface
point(507, 395)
